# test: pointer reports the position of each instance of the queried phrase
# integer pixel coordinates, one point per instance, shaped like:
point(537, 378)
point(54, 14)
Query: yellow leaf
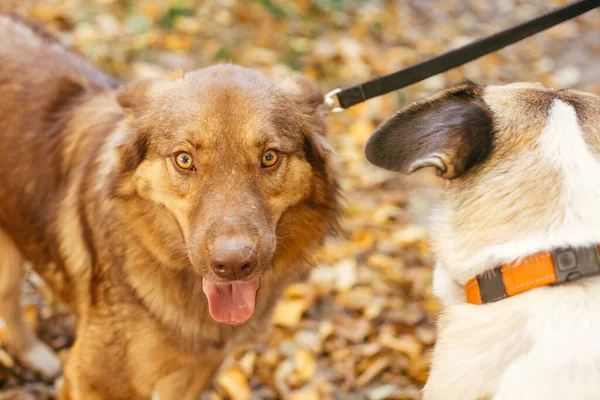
point(151, 10)
point(6, 359)
point(188, 25)
point(305, 363)
point(247, 363)
point(326, 329)
point(45, 12)
point(383, 261)
point(305, 394)
point(31, 316)
point(177, 42)
point(2, 332)
point(361, 130)
point(364, 240)
point(347, 274)
point(234, 383)
point(410, 235)
point(289, 312)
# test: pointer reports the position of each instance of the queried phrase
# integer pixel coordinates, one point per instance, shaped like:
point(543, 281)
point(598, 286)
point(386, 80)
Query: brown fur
point(91, 196)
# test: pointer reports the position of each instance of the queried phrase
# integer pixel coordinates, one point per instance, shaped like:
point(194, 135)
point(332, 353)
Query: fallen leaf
point(309, 393)
point(346, 274)
point(305, 364)
point(234, 383)
point(288, 312)
point(6, 360)
point(405, 344)
point(372, 371)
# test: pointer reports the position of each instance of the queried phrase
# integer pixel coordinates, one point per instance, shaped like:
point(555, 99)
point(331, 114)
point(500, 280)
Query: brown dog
point(168, 215)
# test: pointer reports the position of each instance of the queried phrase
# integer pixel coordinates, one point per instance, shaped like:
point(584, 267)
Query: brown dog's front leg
point(21, 339)
point(98, 364)
point(188, 383)
point(76, 385)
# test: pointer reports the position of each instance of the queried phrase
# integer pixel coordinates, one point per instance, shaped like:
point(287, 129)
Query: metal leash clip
point(333, 102)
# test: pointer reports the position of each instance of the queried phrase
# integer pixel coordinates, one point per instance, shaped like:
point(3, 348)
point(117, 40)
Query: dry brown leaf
point(405, 344)
point(372, 371)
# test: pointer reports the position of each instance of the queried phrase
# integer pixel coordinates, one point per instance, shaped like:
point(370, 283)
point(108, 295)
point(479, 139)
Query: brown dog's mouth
point(231, 303)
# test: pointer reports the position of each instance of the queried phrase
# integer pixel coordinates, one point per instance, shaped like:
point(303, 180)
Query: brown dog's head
point(520, 161)
point(240, 164)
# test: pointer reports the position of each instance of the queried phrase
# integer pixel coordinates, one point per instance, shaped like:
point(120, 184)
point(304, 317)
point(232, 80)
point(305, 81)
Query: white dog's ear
point(450, 131)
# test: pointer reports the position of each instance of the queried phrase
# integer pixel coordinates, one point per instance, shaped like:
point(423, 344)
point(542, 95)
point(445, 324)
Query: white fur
point(542, 344)
point(446, 288)
point(563, 144)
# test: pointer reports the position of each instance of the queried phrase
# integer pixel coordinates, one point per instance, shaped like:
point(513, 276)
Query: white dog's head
point(522, 163)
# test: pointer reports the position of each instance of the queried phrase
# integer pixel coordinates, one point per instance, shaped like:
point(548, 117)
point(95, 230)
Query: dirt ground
point(363, 325)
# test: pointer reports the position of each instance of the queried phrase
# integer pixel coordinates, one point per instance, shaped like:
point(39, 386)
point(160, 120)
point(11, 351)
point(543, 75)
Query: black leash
point(340, 99)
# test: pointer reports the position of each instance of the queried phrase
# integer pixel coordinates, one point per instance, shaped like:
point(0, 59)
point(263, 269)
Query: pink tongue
point(230, 303)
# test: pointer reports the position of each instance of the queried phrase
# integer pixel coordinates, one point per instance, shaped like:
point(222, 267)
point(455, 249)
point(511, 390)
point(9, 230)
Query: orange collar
point(541, 269)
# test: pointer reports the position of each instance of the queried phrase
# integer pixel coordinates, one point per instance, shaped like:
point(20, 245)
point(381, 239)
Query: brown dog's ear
point(318, 150)
point(311, 95)
point(312, 115)
point(450, 131)
point(133, 99)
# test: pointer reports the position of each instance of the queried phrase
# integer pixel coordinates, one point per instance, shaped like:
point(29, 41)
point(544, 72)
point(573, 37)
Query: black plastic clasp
point(571, 264)
point(491, 285)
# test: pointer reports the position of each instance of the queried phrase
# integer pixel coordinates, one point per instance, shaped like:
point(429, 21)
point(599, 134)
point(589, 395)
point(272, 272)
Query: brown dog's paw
point(43, 360)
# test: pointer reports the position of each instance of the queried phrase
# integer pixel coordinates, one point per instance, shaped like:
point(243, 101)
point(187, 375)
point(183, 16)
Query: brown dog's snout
point(233, 258)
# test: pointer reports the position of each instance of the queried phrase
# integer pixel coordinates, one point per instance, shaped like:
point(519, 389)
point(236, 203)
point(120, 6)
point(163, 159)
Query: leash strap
point(340, 99)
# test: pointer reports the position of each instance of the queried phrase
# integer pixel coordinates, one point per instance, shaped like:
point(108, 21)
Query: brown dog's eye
point(184, 161)
point(269, 159)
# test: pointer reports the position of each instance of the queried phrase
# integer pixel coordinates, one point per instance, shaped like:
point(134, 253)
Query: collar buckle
point(575, 263)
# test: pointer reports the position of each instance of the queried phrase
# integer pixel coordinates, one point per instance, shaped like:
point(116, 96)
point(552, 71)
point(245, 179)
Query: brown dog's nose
point(233, 258)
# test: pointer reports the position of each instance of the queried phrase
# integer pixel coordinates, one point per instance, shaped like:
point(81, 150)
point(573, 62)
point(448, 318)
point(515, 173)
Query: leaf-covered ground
point(363, 325)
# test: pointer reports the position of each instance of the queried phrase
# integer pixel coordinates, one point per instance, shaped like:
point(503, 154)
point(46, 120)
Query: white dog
point(516, 237)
